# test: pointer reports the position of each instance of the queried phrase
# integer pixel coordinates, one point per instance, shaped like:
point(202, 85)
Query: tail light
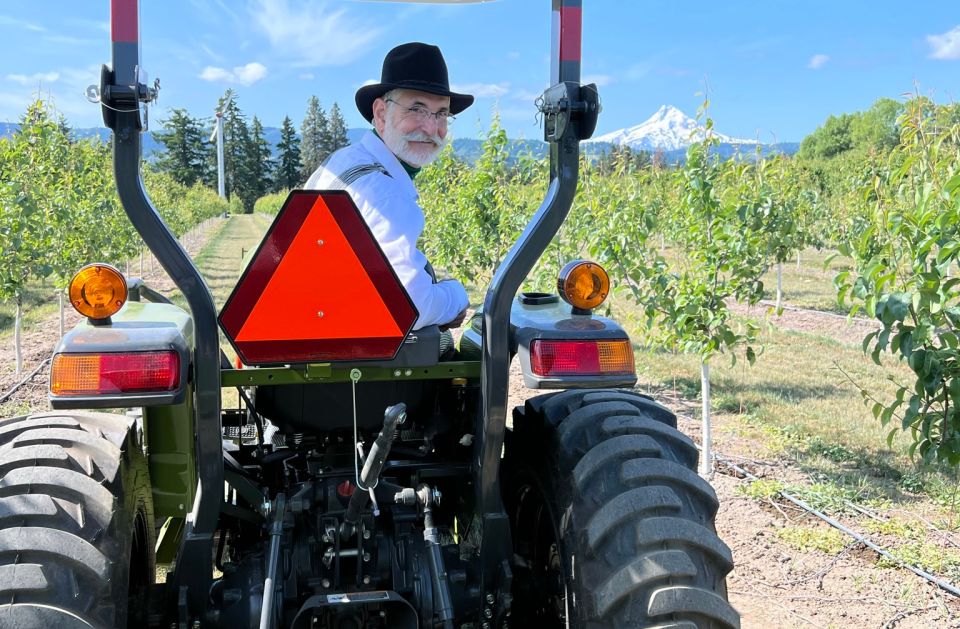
point(581, 358)
point(98, 374)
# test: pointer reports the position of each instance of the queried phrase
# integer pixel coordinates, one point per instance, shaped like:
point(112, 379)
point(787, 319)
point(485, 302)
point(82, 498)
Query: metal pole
point(221, 184)
point(706, 438)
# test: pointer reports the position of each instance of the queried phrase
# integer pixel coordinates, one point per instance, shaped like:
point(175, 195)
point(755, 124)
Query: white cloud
point(483, 90)
point(818, 61)
point(64, 89)
point(9, 21)
point(307, 76)
point(314, 33)
point(250, 73)
point(244, 75)
point(599, 79)
point(33, 80)
point(945, 46)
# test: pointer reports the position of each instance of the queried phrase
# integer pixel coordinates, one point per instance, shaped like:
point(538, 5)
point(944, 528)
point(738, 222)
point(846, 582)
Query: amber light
point(98, 374)
point(98, 291)
point(583, 284)
point(581, 358)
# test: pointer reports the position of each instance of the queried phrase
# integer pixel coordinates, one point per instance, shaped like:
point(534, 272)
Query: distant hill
point(470, 150)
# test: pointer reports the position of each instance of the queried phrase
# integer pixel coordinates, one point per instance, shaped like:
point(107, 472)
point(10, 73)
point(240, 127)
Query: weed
point(902, 529)
point(761, 489)
point(830, 451)
point(927, 556)
point(805, 538)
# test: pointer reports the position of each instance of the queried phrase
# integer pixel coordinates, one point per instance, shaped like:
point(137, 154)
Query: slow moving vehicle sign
point(319, 288)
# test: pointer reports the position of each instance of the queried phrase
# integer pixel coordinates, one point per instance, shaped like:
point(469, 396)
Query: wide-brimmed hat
point(413, 66)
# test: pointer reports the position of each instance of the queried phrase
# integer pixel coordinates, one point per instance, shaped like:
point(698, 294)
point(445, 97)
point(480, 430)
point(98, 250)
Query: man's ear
point(379, 114)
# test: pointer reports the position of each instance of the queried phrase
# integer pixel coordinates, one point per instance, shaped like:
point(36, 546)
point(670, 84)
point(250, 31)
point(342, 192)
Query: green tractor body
point(330, 491)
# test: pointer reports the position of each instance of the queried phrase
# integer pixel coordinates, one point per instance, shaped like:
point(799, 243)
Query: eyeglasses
point(422, 114)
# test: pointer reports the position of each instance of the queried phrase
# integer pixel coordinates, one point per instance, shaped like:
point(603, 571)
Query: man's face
point(407, 130)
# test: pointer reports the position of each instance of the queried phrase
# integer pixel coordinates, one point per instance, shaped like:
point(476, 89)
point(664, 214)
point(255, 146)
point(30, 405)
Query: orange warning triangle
point(319, 290)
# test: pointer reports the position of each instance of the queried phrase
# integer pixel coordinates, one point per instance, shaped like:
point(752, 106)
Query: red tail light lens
point(97, 374)
point(581, 358)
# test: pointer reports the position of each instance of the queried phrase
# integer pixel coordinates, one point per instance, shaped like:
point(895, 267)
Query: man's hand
point(456, 322)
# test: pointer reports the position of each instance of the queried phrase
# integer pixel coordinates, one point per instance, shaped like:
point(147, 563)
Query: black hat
point(412, 66)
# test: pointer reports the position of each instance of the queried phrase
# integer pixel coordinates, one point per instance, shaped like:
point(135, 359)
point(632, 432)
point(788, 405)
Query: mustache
point(419, 136)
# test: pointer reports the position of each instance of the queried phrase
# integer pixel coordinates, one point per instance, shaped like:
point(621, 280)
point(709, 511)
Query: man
point(410, 109)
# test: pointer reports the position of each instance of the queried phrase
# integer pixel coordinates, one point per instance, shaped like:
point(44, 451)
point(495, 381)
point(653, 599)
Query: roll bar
point(121, 94)
point(570, 114)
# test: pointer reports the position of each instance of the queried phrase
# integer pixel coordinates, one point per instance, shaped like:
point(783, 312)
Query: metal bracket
point(569, 102)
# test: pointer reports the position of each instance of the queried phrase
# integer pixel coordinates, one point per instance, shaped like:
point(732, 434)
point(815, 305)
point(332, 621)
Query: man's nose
point(431, 123)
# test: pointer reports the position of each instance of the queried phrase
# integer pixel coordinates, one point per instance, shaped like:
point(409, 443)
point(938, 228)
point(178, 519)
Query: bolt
point(490, 599)
point(366, 533)
point(366, 556)
point(408, 372)
point(366, 579)
point(396, 373)
point(320, 243)
point(436, 500)
point(488, 613)
point(320, 313)
point(326, 539)
point(196, 624)
point(265, 507)
point(485, 625)
point(325, 583)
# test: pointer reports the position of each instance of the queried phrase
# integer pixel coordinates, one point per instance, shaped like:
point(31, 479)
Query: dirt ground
point(773, 584)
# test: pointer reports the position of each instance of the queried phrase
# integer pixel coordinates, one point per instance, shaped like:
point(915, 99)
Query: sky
point(772, 69)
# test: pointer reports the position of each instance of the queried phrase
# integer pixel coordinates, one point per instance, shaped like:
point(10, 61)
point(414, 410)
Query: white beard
point(400, 145)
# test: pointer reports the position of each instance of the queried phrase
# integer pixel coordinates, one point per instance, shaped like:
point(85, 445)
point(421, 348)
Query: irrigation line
point(6, 396)
point(823, 313)
point(943, 585)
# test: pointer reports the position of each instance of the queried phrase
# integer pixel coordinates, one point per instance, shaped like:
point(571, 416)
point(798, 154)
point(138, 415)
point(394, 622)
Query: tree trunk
point(141, 262)
point(798, 259)
point(17, 324)
point(779, 285)
point(706, 440)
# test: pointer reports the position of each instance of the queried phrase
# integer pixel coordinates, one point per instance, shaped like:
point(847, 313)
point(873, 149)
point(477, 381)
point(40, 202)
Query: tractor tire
point(76, 522)
point(611, 525)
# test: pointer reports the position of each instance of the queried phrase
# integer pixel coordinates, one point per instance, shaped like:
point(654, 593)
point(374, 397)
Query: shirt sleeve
point(396, 224)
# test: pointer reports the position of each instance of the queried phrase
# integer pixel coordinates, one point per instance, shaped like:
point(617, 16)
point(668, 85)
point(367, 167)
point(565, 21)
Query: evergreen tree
point(313, 138)
point(236, 146)
point(186, 152)
point(338, 129)
point(259, 161)
point(287, 173)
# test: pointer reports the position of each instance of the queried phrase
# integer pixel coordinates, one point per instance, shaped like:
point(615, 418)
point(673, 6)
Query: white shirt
point(388, 203)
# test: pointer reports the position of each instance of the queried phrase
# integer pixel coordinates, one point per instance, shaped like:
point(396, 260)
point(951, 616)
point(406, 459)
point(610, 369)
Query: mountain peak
point(668, 129)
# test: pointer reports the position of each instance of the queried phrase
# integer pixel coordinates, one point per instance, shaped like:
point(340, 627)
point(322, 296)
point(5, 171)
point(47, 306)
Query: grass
point(811, 285)
point(807, 538)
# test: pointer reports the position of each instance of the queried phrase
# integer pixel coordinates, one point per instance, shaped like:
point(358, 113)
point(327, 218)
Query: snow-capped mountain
point(669, 129)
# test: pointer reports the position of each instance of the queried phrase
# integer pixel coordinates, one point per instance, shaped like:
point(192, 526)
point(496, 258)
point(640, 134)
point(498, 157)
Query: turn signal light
point(581, 358)
point(98, 374)
point(584, 285)
point(98, 291)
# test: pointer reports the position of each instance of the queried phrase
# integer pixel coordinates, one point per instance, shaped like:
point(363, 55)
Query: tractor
point(354, 479)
